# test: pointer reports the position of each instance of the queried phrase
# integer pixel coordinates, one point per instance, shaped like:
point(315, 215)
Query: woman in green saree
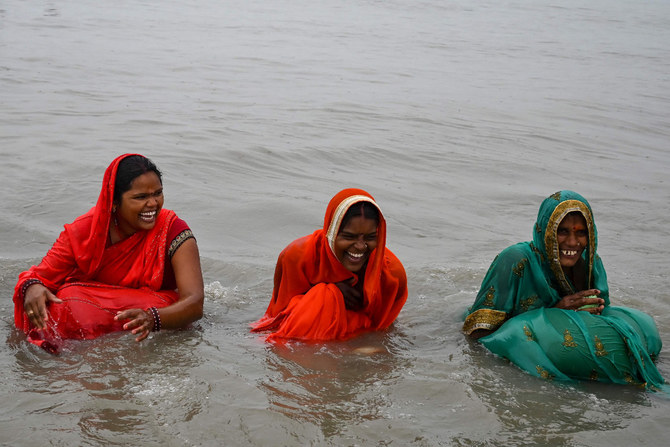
point(544, 305)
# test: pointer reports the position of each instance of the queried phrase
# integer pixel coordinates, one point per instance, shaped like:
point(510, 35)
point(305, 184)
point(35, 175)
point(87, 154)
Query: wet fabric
point(516, 301)
point(307, 305)
point(618, 346)
point(95, 279)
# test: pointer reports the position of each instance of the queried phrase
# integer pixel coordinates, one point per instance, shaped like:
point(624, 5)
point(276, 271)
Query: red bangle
point(157, 319)
point(27, 283)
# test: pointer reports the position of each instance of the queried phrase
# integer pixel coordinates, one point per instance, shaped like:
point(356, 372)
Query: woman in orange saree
point(340, 280)
point(127, 264)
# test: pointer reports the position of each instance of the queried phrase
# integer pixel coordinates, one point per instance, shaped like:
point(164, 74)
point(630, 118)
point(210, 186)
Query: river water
point(458, 116)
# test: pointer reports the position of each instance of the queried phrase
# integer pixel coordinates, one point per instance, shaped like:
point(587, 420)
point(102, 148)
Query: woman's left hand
point(353, 298)
point(583, 298)
point(141, 322)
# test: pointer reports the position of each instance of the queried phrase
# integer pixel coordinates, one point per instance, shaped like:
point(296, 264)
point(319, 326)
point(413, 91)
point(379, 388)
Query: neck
point(576, 275)
point(116, 233)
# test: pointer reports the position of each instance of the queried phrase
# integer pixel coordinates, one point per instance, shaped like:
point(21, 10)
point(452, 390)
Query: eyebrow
point(155, 193)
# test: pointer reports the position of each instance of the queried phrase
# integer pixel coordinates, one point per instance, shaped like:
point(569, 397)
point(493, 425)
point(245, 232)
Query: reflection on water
point(112, 387)
point(332, 385)
point(533, 411)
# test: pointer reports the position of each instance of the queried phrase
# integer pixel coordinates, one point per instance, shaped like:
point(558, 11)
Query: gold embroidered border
point(340, 211)
point(551, 239)
point(180, 239)
point(488, 319)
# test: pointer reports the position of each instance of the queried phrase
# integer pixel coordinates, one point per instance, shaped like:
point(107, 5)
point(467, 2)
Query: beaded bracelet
point(27, 283)
point(157, 319)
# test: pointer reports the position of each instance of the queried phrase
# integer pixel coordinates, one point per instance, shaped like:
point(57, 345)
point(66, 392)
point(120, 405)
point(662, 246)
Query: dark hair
point(365, 209)
point(128, 170)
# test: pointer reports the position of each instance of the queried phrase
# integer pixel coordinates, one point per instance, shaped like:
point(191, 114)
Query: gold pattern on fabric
point(600, 348)
point(528, 302)
point(551, 241)
point(629, 379)
point(490, 297)
point(537, 251)
point(544, 373)
point(488, 319)
point(339, 213)
point(538, 229)
point(180, 239)
point(556, 196)
point(593, 375)
point(568, 340)
point(528, 333)
point(520, 267)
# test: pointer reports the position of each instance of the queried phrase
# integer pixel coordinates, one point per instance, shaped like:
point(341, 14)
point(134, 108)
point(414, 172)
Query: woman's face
point(355, 242)
point(140, 205)
point(572, 237)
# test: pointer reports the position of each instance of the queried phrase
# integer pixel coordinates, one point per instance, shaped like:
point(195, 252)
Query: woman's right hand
point(583, 298)
point(35, 304)
point(353, 298)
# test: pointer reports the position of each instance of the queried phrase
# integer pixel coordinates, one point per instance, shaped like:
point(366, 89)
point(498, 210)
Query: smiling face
point(355, 242)
point(572, 237)
point(138, 207)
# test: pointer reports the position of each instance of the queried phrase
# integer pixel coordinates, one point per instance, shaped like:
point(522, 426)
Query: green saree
point(517, 299)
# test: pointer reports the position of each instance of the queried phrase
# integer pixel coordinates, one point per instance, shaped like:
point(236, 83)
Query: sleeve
point(56, 266)
point(178, 233)
point(499, 292)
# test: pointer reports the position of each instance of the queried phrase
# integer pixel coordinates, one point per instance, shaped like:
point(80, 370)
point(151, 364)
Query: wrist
point(156, 317)
point(26, 284)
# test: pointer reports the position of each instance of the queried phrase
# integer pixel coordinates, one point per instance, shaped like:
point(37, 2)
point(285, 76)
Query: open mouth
point(148, 216)
point(355, 257)
point(569, 252)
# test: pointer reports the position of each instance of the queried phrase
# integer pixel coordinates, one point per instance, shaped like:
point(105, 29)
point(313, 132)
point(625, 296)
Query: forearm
point(183, 312)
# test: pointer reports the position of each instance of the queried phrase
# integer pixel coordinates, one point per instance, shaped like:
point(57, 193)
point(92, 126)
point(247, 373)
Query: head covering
point(89, 247)
point(306, 273)
point(528, 275)
point(552, 211)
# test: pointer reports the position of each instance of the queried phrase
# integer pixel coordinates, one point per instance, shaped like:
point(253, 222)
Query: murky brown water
point(458, 116)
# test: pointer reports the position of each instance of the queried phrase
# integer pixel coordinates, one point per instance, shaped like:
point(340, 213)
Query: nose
point(572, 238)
point(360, 243)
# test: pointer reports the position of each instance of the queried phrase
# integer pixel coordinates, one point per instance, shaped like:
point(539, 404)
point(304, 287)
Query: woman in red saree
point(127, 264)
point(340, 280)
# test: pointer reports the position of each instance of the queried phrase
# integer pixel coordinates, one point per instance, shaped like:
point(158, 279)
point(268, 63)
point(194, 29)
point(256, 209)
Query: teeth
point(569, 252)
point(355, 255)
point(148, 214)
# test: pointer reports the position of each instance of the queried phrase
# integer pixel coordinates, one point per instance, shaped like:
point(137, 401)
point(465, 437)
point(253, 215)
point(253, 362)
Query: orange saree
point(95, 279)
point(307, 305)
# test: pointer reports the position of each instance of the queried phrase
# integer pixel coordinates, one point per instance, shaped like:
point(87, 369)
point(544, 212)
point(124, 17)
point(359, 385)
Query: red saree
point(95, 280)
point(307, 305)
